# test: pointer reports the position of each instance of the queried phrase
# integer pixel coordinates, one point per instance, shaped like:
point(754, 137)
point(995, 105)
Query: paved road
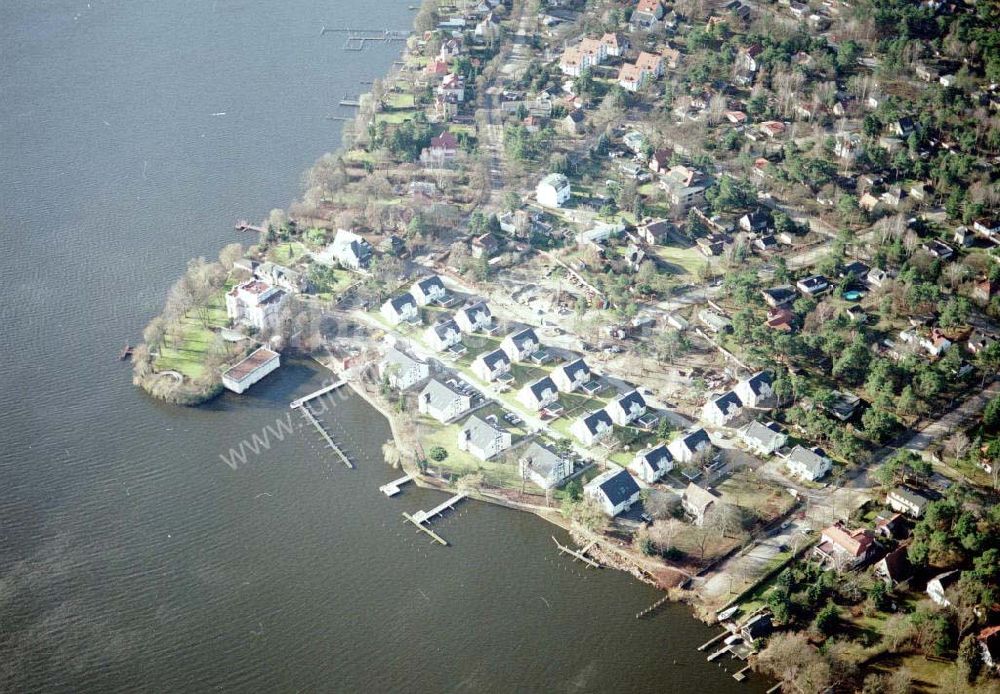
point(951, 421)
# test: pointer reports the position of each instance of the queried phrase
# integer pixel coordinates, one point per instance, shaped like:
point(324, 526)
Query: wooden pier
point(578, 554)
point(392, 488)
point(421, 518)
point(326, 437)
point(244, 225)
point(715, 639)
point(425, 516)
point(295, 404)
point(719, 653)
point(742, 674)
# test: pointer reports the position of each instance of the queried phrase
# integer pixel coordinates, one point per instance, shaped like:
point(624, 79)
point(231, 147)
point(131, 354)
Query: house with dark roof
point(757, 389)
point(491, 365)
point(443, 402)
point(592, 428)
point(780, 295)
point(814, 285)
point(722, 410)
point(474, 318)
point(626, 408)
point(348, 249)
point(521, 344)
point(697, 502)
point(572, 375)
point(540, 394)
point(401, 308)
point(483, 439)
point(895, 568)
point(443, 335)
point(763, 439)
point(655, 232)
point(543, 466)
point(756, 222)
point(808, 464)
point(651, 464)
point(429, 290)
point(615, 491)
point(692, 446)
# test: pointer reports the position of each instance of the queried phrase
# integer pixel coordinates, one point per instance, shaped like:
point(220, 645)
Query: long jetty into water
point(303, 404)
point(421, 518)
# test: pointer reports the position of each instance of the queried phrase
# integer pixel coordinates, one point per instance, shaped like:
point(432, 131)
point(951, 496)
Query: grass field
point(689, 260)
point(287, 253)
point(185, 351)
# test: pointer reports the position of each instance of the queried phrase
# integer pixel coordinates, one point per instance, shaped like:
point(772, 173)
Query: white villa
point(593, 427)
point(255, 303)
point(543, 466)
point(553, 190)
point(401, 370)
point(248, 371)
point(652, 464)
point(401, 308)
point(627, 408)
point(571, 375)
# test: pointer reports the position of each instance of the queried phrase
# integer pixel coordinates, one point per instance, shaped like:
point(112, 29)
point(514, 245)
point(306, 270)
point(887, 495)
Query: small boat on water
point(727, 613)
point(125, 353)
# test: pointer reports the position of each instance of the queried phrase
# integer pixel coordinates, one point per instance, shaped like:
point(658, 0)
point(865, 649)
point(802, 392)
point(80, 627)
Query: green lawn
point(287, 253)
point(395, 116)
point(185, 351)
point(399, 100)
point(688, 259)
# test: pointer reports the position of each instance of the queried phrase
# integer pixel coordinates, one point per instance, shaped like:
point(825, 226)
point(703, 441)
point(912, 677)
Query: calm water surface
point(131, 557)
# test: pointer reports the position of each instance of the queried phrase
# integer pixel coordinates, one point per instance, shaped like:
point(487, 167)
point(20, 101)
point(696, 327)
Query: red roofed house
point(614, 44)
point(841, 548)
point(437, 67)
point(652, 7)
point(989, 642)
point(651, 63)
point(630, 77)
point(772, 128)
point(443, 148)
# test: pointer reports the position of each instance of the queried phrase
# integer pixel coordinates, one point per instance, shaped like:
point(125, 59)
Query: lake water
point(131, 557)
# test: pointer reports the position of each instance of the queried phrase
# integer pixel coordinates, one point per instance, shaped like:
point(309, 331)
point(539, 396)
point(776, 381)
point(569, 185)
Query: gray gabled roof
point(540, 458)
point(911, 496)
point(698, 497)
point(812, 460)
point(764, 434)
point(480, 432)
point(395, 356)
point(439, 394)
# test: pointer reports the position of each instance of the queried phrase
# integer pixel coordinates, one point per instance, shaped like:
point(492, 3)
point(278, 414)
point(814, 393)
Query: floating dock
point(742, 674)
point(392, 488)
